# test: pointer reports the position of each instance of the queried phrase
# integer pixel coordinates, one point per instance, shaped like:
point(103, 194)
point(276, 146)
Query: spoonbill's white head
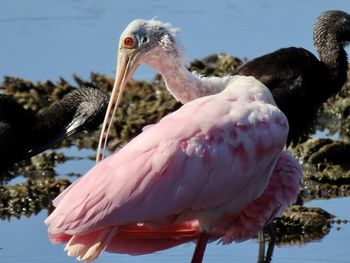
point(142, 41)
point(148, 41)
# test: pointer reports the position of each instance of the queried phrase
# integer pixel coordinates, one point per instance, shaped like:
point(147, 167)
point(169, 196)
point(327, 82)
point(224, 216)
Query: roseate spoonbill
point(168, 159)
point(24, 134)
point(294, 75)
point(299, 82)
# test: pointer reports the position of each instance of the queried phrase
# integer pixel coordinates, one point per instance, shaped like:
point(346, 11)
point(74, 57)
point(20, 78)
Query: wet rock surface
point(326, 162)
point(326, 166)
point(30, 197)
point(299, 225)
point(216, 65)
point(335, 116)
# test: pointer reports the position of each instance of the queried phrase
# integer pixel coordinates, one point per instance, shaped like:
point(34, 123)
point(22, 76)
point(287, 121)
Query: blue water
point(46, 39)
point(25, 240)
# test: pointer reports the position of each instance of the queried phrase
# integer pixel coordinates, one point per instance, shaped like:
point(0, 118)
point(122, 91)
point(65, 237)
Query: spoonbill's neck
point(184, 85)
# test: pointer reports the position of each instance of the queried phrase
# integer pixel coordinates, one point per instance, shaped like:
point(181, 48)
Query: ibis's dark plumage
point(300, 82)
point(24, 134)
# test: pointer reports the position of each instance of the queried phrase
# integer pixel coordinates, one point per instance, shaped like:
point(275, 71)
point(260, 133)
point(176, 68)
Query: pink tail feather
point(281, 192)
point(140, 240)
point(89, 246)
point(132, 240)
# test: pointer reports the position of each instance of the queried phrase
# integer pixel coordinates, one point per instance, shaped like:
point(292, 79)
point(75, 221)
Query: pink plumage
point(213, 166)
point(279, 194)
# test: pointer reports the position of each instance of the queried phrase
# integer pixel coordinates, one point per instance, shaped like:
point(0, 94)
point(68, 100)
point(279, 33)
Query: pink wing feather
point(164, 166)
point(210, 158)
point(281, 192)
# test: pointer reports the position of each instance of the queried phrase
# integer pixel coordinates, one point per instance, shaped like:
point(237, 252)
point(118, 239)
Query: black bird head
point(83, 108)
point(91, 105)
point(332, 26)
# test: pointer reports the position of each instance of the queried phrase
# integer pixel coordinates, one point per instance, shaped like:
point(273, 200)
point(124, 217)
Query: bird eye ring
point(128, 41)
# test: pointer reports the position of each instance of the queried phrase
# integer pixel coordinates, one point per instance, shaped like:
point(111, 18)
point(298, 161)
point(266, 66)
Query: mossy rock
point(299, 225)
point(335, 115)
point(325, 160)
point(30, 197)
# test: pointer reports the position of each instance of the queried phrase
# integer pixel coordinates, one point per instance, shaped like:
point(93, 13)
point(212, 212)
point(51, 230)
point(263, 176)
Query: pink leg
point(200, 248)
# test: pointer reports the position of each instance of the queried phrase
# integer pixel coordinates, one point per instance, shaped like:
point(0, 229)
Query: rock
point(216, 65)
point(326, 166)
point(335, 116)
point(29, 197)
point(299, 225)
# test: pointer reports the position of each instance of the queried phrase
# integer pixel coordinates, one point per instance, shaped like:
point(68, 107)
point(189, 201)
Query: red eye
point(128, 41)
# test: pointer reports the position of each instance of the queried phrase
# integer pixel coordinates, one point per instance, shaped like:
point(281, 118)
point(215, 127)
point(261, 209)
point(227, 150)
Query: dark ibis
point(298, 80)
point(24, 133)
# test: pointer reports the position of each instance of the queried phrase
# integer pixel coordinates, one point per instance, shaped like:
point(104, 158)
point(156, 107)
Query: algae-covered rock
point(326, 166)
point(335, 116)
point(47, 160)
point(331, 158)
point(314, 190)
point(35, 96)
point(299, 225)
point(216, 65)
point(41, 165)
point(29, 197)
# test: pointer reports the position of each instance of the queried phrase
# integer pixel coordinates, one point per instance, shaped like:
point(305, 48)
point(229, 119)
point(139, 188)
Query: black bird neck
point(331, 32)
point(57, 115)
point(335, 58)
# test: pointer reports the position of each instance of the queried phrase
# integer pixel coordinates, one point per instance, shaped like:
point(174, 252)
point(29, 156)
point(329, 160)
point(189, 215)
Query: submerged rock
point(41, 165)
point(35, 96)
point(299, 225)
point(326, 166)
point(335, 116)
point(216, 65)
point(29, 197)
